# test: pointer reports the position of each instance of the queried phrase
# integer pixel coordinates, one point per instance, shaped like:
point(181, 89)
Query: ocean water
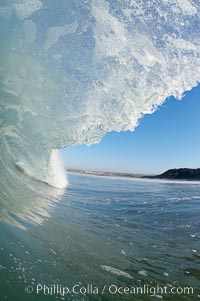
point(100, 231)
point(71, 71)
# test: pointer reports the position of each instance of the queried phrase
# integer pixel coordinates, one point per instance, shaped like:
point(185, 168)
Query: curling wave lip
point(73, 71)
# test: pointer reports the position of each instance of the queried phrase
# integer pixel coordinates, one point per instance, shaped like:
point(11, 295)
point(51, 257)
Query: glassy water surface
point(100, 232)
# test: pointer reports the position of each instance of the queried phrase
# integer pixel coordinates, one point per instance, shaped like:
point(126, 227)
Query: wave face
point(73, 70)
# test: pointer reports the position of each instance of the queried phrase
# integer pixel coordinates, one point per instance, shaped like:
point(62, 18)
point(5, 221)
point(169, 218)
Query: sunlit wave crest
point(71, 71)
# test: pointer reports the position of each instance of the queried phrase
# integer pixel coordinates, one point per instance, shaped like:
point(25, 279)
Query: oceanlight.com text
point(113, 289)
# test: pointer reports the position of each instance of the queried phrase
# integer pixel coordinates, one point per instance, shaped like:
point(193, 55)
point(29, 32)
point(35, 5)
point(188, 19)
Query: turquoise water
point(100, 232)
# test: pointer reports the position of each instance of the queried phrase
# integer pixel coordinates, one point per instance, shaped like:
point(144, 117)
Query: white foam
point(25, 8)
point(21, 166)
point(109, 33)
point(142, 273)
point(30, 30)
point(55, 33)
point(185, 6)
point(56, 174)
point(116, 271)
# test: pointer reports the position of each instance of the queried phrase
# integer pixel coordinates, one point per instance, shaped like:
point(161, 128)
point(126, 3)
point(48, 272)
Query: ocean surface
point(97, 235)
point(71, 71)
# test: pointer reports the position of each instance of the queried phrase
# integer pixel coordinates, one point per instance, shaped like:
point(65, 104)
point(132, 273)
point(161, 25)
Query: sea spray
point(57, 174)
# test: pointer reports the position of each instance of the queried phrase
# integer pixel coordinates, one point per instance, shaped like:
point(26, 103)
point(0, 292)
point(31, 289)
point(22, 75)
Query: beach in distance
point(189, 174)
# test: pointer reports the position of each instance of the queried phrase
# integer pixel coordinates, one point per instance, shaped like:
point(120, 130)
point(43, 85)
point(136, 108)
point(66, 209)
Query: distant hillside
point(181, 174)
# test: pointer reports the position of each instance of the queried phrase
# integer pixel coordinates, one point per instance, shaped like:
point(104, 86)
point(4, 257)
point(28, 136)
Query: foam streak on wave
point(72, 71)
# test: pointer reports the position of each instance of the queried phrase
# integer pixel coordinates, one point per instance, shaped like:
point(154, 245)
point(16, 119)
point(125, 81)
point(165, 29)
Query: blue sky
point(169, 138)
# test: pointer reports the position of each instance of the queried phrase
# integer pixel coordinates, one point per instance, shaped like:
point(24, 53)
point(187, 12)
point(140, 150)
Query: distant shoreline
point(186, 174)
point(105, 173)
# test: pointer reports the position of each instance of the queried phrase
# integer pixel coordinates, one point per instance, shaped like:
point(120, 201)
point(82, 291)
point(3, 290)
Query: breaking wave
point(71, 71)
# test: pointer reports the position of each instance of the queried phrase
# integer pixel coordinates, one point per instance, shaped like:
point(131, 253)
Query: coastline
point(130, 176)
point(105, 173)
